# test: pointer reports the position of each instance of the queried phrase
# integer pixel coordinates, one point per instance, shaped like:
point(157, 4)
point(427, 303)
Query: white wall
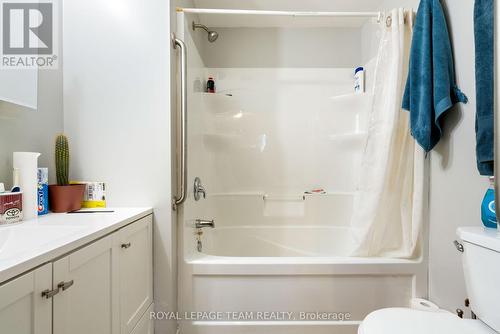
point(282, 47)
point(117, 114)
point(456, 189)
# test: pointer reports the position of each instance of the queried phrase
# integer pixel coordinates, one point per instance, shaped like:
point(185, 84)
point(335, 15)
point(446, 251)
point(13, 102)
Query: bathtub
point(303, 272)
point(277, 241)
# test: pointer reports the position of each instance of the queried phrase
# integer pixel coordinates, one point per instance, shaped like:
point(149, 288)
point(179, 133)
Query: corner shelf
point(351, 96)
point(356, 138)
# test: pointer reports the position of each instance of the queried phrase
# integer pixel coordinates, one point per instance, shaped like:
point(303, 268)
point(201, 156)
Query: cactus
point(62, 160)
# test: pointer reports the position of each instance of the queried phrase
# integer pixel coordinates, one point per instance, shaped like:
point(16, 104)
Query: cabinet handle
point(127, 245)
point(50, 293)
point(65, 285)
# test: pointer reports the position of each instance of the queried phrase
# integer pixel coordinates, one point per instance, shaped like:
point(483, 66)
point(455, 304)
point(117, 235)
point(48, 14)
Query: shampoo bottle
point(488, 215)
point(210, 85)
point(359, 80)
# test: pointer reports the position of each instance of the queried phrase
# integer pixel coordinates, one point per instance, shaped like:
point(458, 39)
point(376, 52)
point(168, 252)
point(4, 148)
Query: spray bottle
point(488, 215)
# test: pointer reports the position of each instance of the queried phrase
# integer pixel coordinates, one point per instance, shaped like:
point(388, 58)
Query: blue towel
point(483, 31)
point(430, 89)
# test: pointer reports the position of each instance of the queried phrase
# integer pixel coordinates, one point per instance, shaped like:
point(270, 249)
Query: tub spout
point(200, 223)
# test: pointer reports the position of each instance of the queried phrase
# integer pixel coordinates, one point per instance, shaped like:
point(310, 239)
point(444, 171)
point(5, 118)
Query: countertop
point(29, 244)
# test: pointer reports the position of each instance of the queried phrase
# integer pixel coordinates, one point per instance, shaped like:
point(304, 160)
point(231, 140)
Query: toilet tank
point(481, 263)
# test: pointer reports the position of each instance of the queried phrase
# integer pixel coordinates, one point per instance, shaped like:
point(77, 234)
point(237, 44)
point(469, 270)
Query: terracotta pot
point(66, 198)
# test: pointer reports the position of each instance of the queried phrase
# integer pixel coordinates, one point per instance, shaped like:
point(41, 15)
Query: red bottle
point(210, 85)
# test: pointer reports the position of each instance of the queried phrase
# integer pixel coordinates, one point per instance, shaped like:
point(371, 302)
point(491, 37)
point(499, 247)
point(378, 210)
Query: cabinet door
point(23, 310)
point(135, 261)
point(89, 303)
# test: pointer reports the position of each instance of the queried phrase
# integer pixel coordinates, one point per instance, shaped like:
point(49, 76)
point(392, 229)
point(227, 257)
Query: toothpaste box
point(43, 191)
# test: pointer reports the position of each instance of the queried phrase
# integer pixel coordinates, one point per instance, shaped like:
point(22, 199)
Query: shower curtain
point(388, 202)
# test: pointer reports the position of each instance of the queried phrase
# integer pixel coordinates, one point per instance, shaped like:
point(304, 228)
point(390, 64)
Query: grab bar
point(182, 175)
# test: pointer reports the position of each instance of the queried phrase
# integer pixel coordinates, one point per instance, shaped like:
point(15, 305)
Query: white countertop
point(28, 244)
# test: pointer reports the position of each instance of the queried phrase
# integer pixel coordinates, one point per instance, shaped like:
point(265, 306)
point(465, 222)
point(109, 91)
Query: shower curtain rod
point(378, 15)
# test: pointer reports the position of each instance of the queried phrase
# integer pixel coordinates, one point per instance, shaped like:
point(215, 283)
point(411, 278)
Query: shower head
point(212, 35)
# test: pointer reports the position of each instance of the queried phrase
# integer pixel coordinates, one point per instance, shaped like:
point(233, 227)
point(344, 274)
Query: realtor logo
point(28, 34)
point(27, 28)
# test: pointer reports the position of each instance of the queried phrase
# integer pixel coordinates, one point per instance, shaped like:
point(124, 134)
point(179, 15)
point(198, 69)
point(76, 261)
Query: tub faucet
point(198, 189)
point(201, 223)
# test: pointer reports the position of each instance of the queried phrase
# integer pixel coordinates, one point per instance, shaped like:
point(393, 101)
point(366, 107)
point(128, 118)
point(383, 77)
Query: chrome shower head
point(212, 35)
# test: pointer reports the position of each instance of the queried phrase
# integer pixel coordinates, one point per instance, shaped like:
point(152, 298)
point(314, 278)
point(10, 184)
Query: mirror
point(19, 87)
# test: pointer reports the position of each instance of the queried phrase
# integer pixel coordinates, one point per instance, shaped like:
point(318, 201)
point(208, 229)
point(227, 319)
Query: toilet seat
point(410, 321)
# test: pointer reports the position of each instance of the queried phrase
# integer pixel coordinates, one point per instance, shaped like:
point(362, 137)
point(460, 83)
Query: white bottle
point(359, 80)
point(27, 165)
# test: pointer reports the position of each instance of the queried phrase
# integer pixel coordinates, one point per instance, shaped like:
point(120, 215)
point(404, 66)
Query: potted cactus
point(63, 196)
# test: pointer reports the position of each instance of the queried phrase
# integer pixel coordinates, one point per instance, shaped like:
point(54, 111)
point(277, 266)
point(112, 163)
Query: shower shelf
point(221, 136)
point(217, 95)
point(348, 138)
point(351, 96)
point(282, 197)
point(220, 103)
point(217, 140)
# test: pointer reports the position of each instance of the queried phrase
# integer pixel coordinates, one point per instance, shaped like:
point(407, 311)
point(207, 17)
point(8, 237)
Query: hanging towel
point(430, 88)
point(483, 35)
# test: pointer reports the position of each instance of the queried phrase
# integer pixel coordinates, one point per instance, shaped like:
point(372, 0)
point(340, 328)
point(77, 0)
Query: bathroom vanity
point(78, 273)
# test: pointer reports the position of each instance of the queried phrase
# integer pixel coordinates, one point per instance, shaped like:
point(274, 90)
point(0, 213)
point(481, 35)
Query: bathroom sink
point(17, 240)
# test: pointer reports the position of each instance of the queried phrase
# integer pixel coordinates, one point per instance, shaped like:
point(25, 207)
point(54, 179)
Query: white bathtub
point(277, 241)
point(296, 269)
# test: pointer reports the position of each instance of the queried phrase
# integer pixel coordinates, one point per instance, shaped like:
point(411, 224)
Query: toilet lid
point(410, 321)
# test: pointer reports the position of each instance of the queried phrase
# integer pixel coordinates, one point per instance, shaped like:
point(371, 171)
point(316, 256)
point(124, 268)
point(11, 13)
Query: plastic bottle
point(488, 215)
point(210, 85)
point(27, 165)
point(359, 80)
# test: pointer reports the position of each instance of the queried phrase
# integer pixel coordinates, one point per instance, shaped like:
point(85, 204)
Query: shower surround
point(267, 136)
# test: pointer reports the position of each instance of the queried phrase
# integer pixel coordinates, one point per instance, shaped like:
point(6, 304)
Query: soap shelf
point(284, 198)
point(354, 136)
point(351, 96)
point(215, 95)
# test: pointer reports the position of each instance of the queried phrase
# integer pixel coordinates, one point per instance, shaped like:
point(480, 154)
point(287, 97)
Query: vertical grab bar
point(182, 174)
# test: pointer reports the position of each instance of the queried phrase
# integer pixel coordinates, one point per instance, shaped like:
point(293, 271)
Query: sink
point(19, 239)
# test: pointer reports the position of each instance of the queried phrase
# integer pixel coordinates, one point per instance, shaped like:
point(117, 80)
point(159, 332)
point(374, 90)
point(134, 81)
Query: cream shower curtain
point(388, 202)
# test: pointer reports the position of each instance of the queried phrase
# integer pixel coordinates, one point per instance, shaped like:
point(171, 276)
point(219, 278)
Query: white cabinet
point(105, 287)
point(23, 310)
point(87, 300)
point(135, 267)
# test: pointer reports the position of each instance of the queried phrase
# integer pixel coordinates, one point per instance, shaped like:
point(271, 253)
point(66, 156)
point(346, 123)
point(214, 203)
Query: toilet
point(481, 263)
